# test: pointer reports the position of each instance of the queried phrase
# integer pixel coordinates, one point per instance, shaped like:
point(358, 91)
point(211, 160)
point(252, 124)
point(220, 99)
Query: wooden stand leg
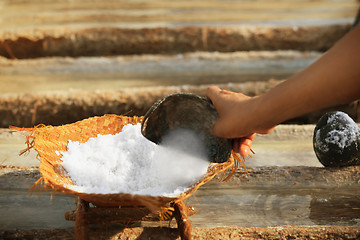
point(183, 223)
point(81, 228)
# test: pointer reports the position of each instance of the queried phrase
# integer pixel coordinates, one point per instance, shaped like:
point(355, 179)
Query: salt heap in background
point(129, 163)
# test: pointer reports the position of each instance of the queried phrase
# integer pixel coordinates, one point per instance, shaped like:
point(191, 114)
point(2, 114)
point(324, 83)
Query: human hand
point(237, 118)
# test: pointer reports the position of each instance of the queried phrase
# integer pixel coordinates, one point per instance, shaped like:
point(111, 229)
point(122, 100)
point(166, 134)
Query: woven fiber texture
point(49, 141)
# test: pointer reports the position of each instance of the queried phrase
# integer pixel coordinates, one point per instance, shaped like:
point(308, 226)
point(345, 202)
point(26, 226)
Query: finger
point(223, 91)
point(244, 150)
point(212, 92)
point(245, 145)
point(240, 147)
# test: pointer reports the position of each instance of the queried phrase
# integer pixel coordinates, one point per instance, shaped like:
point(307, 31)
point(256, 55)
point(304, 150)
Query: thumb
point(212, 93)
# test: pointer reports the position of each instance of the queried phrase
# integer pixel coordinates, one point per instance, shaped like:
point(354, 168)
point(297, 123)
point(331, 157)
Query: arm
point(333, 79)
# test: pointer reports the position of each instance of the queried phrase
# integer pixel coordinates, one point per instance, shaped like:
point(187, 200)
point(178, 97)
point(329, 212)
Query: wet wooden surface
point(117, 41)
point(63, 107)
point(267, 196)
point(301, 176)
point(84, 28)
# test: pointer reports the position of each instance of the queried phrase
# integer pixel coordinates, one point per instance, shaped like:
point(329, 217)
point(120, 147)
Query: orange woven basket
point(49, 141)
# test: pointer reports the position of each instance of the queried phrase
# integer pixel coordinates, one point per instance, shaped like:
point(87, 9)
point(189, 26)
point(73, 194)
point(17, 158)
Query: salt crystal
point(129, 163)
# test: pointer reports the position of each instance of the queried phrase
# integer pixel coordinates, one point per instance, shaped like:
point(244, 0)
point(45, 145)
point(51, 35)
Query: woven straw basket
point(48, 141)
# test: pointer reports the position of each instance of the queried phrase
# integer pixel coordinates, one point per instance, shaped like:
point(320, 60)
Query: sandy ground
point(283, 232)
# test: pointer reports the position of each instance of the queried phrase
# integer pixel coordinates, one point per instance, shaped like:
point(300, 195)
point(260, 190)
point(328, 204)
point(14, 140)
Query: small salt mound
point(344, 132)
point(129, 163)
point(344, 135)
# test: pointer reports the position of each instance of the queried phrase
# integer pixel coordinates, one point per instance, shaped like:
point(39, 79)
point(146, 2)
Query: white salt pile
point(129, 163)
